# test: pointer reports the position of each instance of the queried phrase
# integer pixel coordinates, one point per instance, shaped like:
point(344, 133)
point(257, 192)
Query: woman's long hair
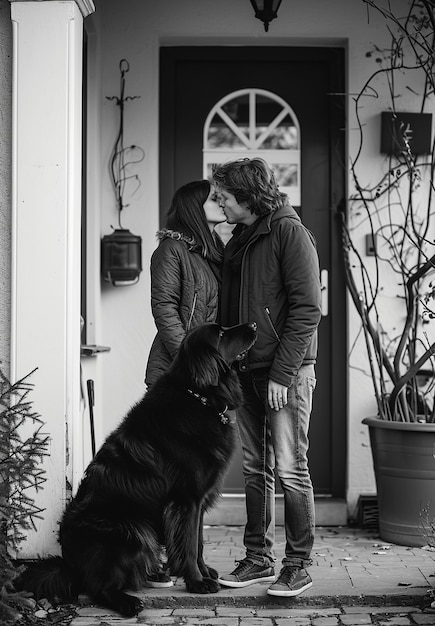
point(186, 215)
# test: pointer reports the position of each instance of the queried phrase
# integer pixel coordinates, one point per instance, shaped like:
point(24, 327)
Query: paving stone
point(95, 611)
point(236, 611)
point(117, 621)
point(212, 621)
point(424, 618)
point(255, 621)
point(156, 620)
point(86, 621)
point(293, 613)
point(195, 612)
point(155, 613)
point(379, 609)
point(356, 619)
point(121, 621)
point(324, 621)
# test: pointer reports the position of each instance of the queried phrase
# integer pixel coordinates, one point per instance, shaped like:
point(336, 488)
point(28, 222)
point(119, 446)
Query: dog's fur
point(151, 481)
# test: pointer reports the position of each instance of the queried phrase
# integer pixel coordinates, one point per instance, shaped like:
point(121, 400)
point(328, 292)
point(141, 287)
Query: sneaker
point(159, 581)
point(291, 582)
point(247, 573)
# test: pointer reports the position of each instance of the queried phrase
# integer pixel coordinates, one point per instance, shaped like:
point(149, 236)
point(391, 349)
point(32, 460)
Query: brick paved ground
point(357, 579)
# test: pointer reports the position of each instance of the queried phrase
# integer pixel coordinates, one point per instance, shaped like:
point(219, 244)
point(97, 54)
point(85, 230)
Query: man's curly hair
point(251, 181)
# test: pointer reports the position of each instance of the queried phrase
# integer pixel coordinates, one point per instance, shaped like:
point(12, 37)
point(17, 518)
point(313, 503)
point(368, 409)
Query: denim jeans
point(277, 440)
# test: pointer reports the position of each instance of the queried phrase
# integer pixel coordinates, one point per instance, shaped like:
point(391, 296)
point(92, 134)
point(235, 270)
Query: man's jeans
point(271, 437)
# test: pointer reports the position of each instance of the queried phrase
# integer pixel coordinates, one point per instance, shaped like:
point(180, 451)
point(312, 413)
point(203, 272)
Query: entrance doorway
point(311, 82)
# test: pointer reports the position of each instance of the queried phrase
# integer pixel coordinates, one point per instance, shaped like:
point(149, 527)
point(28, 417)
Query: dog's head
point(209, 350)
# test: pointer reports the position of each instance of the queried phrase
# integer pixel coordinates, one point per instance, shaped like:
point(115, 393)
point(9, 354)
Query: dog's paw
point(206, 585)
point(130, 606)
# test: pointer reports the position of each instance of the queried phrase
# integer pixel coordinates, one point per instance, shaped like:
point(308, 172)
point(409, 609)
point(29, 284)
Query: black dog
point(151, 481)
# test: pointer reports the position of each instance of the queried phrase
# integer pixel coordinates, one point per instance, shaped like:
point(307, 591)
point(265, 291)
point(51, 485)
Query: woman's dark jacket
point(184, 294)
point(280, 291)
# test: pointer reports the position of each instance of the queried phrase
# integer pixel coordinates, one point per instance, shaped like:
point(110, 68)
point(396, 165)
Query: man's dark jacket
point(280, 291)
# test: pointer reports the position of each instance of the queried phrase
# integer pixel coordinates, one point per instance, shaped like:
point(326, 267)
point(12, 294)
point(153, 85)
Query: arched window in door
point(255, 123)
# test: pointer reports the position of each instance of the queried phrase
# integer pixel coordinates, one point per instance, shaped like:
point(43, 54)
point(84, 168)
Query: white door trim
point(46, 222)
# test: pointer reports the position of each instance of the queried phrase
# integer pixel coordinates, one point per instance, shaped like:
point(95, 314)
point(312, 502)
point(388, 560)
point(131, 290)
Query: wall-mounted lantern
point(266, 10)
point(121, 251)
point(121, 257)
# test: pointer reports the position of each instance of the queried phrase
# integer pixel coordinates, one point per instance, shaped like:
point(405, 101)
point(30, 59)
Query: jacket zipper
point(195, 297)
point(269, 318)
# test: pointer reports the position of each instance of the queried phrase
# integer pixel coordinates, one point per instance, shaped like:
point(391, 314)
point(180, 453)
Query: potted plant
point(391, 279)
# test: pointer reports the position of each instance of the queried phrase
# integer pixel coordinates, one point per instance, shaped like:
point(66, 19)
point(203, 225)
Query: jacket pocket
point(270, 322)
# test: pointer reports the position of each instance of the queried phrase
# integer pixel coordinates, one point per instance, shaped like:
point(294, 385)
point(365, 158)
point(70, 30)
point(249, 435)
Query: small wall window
point(255, 123)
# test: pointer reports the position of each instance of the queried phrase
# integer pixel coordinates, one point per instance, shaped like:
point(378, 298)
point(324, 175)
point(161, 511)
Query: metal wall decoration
point(121, 251)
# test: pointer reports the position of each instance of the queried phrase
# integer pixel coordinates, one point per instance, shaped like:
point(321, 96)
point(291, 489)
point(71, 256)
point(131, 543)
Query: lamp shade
point(266, 10)
point(121, 257)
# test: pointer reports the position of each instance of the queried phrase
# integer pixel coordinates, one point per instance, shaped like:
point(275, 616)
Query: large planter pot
point(404, 464)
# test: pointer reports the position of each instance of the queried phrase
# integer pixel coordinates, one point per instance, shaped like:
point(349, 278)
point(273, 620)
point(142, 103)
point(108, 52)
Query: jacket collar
point(166, 233)
point(284, 211)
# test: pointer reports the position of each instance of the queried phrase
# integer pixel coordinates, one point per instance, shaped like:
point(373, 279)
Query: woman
point(185, 272)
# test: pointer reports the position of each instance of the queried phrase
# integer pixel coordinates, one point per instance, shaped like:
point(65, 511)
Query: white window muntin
point(286, 161)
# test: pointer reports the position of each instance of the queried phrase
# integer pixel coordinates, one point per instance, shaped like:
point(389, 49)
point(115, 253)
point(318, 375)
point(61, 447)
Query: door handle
point(324, 292)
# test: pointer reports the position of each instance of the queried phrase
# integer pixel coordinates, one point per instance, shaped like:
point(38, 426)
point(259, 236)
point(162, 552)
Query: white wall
point(5, 175)
point(134, 30)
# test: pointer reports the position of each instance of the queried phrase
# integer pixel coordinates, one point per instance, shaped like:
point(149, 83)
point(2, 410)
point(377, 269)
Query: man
point(271, 277)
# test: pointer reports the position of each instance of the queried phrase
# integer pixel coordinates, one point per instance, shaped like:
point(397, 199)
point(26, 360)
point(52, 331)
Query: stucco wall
point(5, 186)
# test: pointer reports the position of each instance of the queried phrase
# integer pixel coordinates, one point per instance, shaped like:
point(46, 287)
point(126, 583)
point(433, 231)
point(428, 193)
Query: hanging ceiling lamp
point(266, 11)
point(121, 251)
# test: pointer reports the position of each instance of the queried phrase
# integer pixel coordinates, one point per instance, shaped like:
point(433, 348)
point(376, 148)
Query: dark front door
point(310, 80)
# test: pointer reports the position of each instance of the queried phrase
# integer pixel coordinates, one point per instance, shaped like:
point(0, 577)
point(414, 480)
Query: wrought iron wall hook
point(124, 67)
point(118, 163)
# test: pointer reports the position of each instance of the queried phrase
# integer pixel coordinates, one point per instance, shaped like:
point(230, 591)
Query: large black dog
point(151, 481)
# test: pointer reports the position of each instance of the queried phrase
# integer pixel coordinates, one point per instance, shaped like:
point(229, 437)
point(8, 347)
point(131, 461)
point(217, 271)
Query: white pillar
point(46, 202)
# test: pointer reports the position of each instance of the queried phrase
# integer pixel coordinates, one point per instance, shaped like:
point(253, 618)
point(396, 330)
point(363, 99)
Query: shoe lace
point(242, 566)
point(288, 574)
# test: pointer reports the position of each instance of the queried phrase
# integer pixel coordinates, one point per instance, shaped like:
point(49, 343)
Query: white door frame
point(46, 223)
